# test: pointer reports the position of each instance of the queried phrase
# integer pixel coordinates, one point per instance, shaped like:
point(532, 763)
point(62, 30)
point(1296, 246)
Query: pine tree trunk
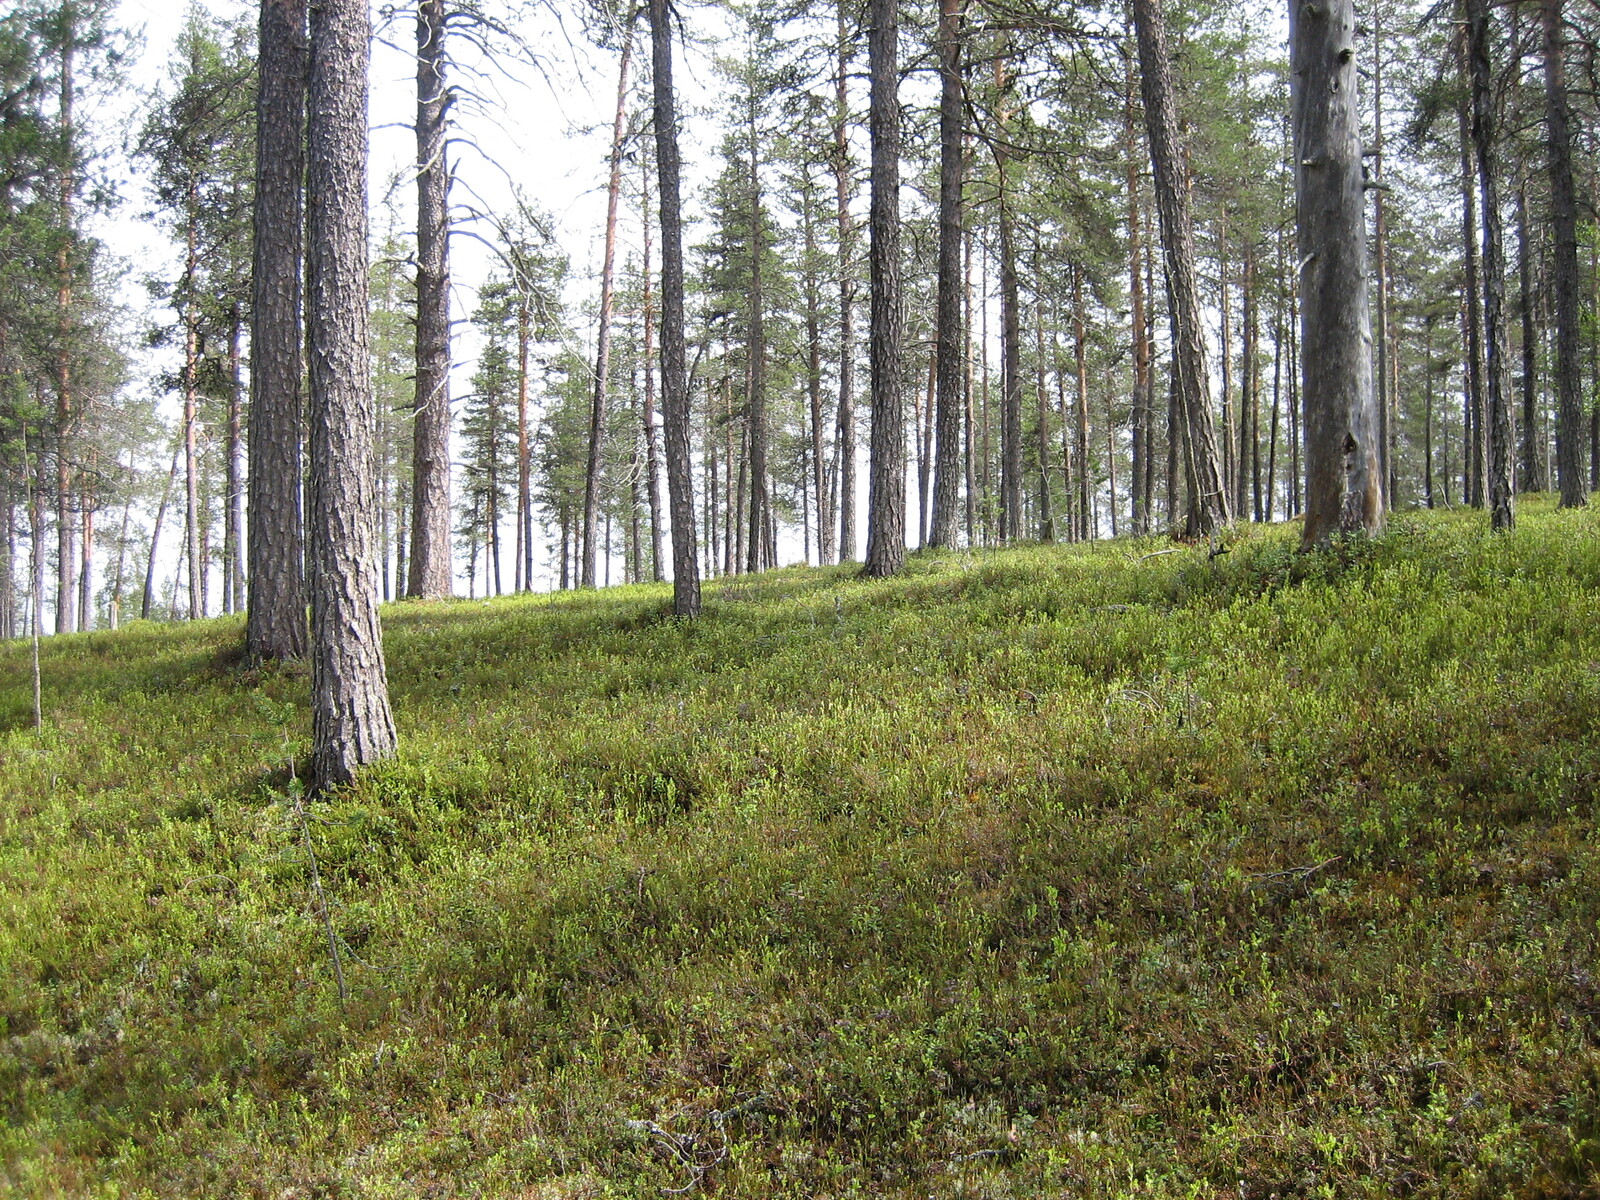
point(1380, 238)
point(430, 463)
point(813, 319)
point(1501, 515)
point(602, 366)
point(233, 549)
point(1472, 402)
point(1207, 504)
point(191, 418)
point(1564, 268)
point(759, 550)
point(658, 569)
point(275, 628)
point(1528, 433)
point(524, 547)
point(351, 722)
point(886, 516)
point(846, 441)
point(1143, 400)
point(1041, 398)
point(66, 404)
point(1344, 483)
point(674, 377)
point(948, 326)
point(1010, 326)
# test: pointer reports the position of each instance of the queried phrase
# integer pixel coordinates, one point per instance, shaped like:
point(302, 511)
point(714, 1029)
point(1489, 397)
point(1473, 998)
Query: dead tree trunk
point(1344, 480)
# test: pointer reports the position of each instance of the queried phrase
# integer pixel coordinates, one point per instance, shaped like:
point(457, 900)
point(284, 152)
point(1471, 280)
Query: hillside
point(1080, 871)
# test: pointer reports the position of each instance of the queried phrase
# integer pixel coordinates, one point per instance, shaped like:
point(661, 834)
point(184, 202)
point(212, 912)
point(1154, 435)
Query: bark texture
point(949, 351)
point(275, 627)
point(1564, 264)
point(1344, 480)
point(1207, 509)
point(1494, 268)
point(674, 375)
point(351, 722)
point(886, 513)
point(430, 453)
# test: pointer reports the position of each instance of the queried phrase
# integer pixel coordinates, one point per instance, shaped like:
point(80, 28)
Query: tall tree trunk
point(430, 462)
point(1143, 400)
point(951, 286)
point(1528, 434)
point(1010, 322)
point(1380, 238)
point(1501, 515)
point(350, 718)
point(233, 550)
point(1041, 396)
point(886, 516)
point(86, 507)
point(674, 376)
point(602, 358)
point(191, 417)
point(1472, 460)
point(813, 307)
point(524, 547)
point(66, 403)
point(658, 569)
point(1427, 410)
point(1233, 478)
point(1080, 446)
point(760, 550)
point(846, 442)
point(1207, 508)
point(1344, 481)
point(1564, 267)
point(275, 628)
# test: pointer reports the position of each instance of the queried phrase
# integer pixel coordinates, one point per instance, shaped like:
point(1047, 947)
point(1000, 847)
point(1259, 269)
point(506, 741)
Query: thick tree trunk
point(886, 516)
point(430, 462)
point(350, 718)
point(951, 286)
point(1564, 266)
point(1380, 238)
point(674, 376)
point(846, 441)
point(1344, 481)
point(1501, 515)
point(602, 364)
point(1207, 505)
point(275, 628)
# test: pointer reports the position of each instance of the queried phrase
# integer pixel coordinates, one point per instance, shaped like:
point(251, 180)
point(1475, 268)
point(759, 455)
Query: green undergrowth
point(1060, 871)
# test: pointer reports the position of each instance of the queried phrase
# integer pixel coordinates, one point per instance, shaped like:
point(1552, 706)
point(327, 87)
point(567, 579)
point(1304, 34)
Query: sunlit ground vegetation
point(1088, 871)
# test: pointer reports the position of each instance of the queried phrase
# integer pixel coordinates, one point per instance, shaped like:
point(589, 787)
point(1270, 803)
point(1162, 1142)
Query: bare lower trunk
point(674, 377)
point(430, 462)
point(1344, 482)
point(843, 186)
point(1207, 507)
point(276, 625)
point(350, 718)
point(886, 538)
point(948, 329)
point(1564, 266)
point(602, 365)
point(1501, 515)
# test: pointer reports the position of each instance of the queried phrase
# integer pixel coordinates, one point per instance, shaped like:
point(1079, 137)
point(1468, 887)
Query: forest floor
point(1057, 871)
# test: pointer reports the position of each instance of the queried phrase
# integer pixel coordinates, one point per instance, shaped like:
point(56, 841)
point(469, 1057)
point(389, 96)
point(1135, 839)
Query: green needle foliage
point(1090, 871)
